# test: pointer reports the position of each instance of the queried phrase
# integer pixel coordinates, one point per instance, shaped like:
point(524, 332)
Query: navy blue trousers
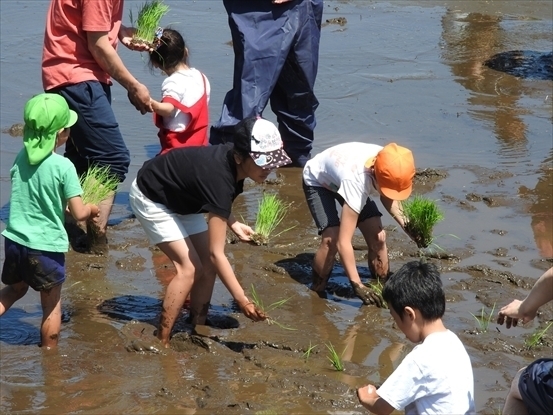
point(276, 54)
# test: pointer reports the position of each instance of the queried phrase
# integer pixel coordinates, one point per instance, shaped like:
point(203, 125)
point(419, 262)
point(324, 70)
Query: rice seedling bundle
point(272, 211)
point(147, 22)
point(422, 215)
point(98, 184)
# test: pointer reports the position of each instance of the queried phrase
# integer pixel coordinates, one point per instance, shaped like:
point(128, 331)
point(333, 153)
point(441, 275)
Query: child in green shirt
point(43, 184)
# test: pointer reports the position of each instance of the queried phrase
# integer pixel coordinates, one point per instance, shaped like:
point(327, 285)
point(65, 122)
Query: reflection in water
point(542, 208)
point(471, 39)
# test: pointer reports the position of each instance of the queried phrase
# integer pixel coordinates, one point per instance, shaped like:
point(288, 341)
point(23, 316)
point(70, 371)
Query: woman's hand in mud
point(511, 314)
point(251, 311)
point(242, 231)
point(368, 295)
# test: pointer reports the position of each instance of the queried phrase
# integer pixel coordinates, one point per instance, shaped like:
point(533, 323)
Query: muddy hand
point(510, 314)
point(252, 312)
point(367, 295)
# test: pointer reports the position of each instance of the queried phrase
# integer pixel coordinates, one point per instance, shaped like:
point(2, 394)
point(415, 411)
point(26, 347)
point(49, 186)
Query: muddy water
point(412, 72)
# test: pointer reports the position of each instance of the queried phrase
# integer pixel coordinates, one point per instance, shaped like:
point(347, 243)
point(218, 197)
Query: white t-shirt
point(341, 169)
point(187, 87)
point(435, 378)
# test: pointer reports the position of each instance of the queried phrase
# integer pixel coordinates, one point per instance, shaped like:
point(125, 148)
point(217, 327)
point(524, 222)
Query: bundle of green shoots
point(272, 211)
point(98, 184)
point(258, 302)
point(422, 215)
point(147, 23)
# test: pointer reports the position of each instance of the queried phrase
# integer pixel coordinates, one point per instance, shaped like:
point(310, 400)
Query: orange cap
point(394, 168)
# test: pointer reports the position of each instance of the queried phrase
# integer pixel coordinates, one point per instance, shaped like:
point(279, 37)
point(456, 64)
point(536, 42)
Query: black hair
point(171, 51)
point(242, 137)
point(417, 285)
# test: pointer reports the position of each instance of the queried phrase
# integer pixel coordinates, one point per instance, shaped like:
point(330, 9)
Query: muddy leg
point(188, 267)
point(513, 402)
point(202, 289)
point(375, 237)
point(51, 317)
point(10, 294)
point(324, 259)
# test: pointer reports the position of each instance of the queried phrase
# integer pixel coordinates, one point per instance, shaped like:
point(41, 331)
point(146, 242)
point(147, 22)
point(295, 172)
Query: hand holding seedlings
point(242, 231)
point(421, 216)
point(250, 310)
point(126, 35)
point(526, 310)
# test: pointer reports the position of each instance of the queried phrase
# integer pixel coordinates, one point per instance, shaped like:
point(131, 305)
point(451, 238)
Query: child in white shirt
point(436, 377)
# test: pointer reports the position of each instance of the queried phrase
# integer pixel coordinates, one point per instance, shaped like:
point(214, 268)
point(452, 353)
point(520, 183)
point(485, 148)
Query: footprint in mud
point(139, 337)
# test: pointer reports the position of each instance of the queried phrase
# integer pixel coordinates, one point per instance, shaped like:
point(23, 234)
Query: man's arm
point(108, 59)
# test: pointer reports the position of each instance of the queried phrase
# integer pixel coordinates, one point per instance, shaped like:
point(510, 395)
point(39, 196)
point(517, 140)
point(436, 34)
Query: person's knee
point(19, 289)
point(329, 239)
point(514, 391)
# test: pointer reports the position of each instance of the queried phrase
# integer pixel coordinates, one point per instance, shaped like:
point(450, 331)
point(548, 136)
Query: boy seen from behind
point(43, 184)
point(436, 376)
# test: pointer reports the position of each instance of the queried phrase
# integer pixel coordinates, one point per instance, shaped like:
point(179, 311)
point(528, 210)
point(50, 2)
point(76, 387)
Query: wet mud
point(285, 368)
point(439, 77)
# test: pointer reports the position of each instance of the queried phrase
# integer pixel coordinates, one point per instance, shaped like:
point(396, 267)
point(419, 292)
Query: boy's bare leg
point(375, 237)
point(513, 402)
point(10, 294)
point(186, 263)
point(323, 262)
point(202, 290)
point(51, 316)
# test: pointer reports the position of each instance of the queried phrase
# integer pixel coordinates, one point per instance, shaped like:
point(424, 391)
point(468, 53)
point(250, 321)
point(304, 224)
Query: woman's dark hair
point(171, 51)
point(417, 285)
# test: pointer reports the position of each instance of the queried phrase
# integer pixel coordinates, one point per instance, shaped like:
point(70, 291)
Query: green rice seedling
point(536, 337)
point(98, 184)
point(258, 302)
point(310, 349)
point(377, 287)
point(483, 319)
point(422, 215)
point(271, 212)
point(335, 358)
point(147, 22)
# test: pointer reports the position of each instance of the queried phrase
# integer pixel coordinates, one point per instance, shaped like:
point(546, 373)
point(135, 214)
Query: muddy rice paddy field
point(411, 72)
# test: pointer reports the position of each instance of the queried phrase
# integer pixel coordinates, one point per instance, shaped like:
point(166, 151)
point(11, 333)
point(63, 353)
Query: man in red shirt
point(79, 58)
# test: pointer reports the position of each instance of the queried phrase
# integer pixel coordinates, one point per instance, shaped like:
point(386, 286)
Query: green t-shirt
point(38, 200)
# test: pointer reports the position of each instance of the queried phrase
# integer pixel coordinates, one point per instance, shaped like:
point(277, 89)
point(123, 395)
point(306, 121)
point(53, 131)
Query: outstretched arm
point(217, 231)
point(526, 310)
point(108, 59)
point(348, 224)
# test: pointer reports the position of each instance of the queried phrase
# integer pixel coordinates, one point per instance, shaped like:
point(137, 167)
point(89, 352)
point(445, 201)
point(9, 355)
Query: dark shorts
point(536, 387)
point(41, 270)
point(95, 138)
point(322, 205)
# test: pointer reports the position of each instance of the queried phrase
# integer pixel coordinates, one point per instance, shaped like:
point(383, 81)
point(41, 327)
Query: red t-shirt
point(66, 59)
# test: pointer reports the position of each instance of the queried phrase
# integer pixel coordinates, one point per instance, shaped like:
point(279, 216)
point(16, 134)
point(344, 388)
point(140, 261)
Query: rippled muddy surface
point(414, 72)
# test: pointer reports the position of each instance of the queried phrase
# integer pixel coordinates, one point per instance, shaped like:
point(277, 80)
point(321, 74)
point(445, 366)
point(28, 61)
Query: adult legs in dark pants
point(276, 49)
point(95, 140)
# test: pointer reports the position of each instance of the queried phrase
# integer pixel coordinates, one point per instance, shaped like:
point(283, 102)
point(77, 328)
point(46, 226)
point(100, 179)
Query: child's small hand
point(94, 210)
point(251, 311)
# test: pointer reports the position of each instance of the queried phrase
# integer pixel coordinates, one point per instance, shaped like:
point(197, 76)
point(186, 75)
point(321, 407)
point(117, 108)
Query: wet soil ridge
point(528, 64)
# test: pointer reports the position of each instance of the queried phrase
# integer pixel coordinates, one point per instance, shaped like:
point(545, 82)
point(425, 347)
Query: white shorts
point(160, 223)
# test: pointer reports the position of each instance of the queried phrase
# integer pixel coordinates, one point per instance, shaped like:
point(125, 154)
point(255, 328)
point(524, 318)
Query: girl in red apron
point(182, 116)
